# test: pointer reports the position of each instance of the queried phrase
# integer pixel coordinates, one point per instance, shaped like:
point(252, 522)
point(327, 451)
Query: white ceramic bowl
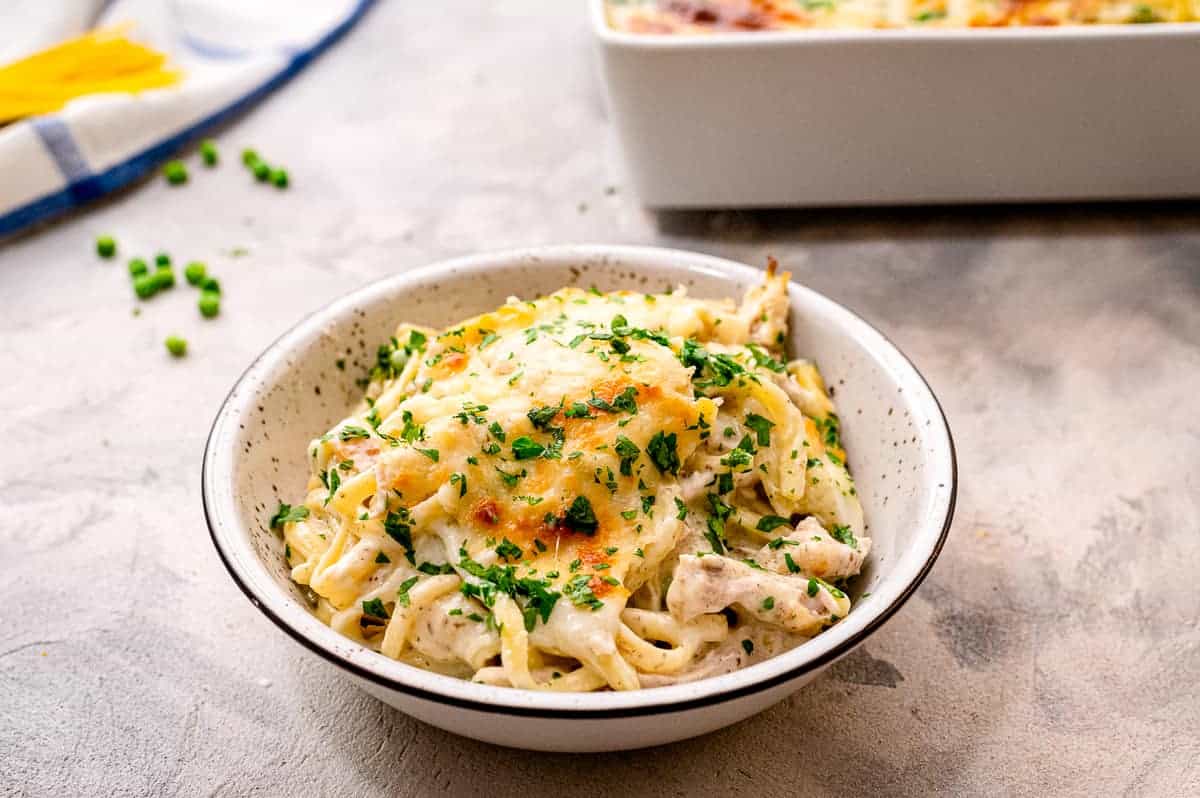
point(898, 441)
point(846, 117)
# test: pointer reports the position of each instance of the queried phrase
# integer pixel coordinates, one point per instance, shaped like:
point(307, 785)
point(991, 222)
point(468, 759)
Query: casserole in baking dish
point(919, 114)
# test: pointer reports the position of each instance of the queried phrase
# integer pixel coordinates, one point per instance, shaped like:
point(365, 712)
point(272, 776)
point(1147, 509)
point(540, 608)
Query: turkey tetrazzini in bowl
point(584, 491)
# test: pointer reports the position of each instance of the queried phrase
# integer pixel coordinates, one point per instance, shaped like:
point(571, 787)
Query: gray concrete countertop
point(1054, 650)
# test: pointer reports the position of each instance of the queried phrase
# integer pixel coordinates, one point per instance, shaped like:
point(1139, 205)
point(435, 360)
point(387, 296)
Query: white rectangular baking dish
point(854, 117)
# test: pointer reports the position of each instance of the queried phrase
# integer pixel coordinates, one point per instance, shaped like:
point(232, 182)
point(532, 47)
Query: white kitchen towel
point(232, 52)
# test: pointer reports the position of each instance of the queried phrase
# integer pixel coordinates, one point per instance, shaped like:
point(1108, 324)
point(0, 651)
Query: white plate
point(898, 441)
point(851, 117)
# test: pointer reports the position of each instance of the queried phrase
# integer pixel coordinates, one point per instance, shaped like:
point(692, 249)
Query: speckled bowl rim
point(895, 587)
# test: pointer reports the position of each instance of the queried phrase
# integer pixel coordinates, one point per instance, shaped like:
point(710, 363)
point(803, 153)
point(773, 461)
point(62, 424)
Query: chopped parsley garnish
point(488, 339)
point(739, 457)
point(382, 559)
point(830, 429)
point(509, 479)
point(509, 550)
point(374, 608)
point(638, 552)
point(405, 586)
point(580, 517)
point(778, 543)
point(768, 603)
point(491, 447)
point(287, 514)
point(842, 534)
point(662, 452)
point(541, 417)
point(762, 428)
point(471, 412)
point(710, 369)
point(715, 534)
point(748, 646)
point(555, 447)
point(629, 515)
point(432, 454)
point(647, 505)
point(577, 410)
point(813, 587)
point(537, 597)
point(497, 431)
point(433, 569)
point(681, 507)
point(332, 480)
point(461, 480)
point(526, 448)
point(397, 527)
point(791, 564)
point(771, 522)
point(411, 433)
point(628, 451)
point(624, 402)
point(579, 591)
point(351, 432)
point(762, 358)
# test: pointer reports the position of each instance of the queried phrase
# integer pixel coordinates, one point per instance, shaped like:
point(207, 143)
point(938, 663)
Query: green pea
point(164, 277)
point(208, 152)
point(137, 267)
point(194, 272)
point(279, 177)
point(162, 259)
point(176, 346)
point(249, 157)
point(262, 172)
point(176, 172)
point(210, 304)
point(106, 246)
point(211, 285)
point(399, 359)
point(145, 286)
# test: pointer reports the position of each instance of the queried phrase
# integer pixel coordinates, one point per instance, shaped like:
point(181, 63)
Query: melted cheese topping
point(584, 491)
point(709, 16)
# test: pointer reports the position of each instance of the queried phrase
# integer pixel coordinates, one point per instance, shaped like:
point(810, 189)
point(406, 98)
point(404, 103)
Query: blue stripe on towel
point(217, 52)
point(91, 186)
point(57, 138)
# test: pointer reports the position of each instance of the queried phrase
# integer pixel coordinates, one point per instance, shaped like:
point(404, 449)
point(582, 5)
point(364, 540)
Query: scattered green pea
point(249, 157)
point(211, 285)
point(164, 277)
point(175, 172)
point(137, 267)
point(262, 172)
point(210, 304)
point(208, 152)
point(145, 286)
point(106, 246)
point(279, 177)
point(176, 346)
point(399, 359)
point(162, 259)
point(194, 272)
